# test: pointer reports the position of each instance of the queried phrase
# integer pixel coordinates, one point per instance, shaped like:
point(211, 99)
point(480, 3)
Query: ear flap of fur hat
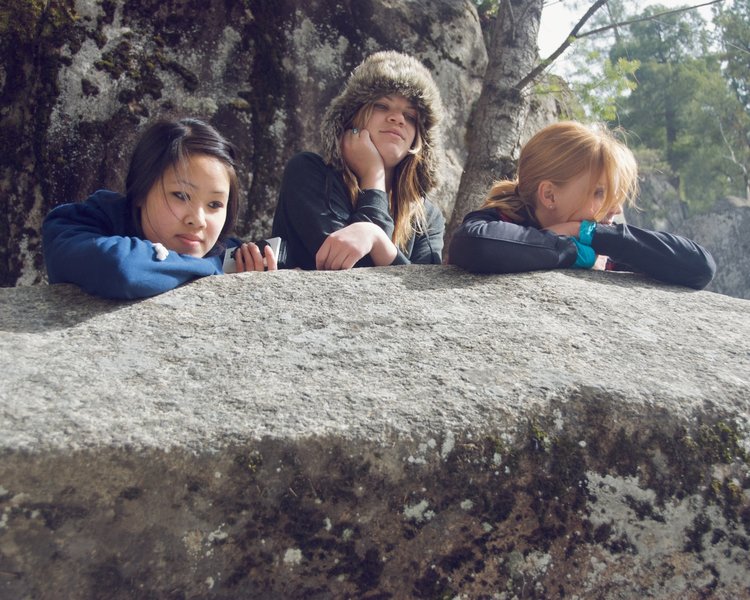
point(382, 74)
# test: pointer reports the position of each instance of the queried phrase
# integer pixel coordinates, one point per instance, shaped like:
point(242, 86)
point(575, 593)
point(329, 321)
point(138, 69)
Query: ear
point(545, 194)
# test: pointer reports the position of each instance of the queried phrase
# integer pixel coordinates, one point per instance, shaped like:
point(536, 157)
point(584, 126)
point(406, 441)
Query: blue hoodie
point(95, 245)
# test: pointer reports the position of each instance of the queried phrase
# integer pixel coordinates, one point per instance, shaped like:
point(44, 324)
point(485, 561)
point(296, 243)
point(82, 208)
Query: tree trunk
point(493, 137)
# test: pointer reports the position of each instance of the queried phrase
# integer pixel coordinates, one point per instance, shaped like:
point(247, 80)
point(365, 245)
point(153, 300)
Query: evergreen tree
point(674, 58)
point(733, 117)
point(689, 100)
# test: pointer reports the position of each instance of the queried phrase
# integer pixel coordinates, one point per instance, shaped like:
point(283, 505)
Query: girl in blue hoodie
point(171, 226)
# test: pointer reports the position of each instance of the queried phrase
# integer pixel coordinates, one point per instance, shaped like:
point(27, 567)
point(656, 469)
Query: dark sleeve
point(663, 256)
point(428, 245)
point(313, 203)
point(80, 246)
point(486, 244)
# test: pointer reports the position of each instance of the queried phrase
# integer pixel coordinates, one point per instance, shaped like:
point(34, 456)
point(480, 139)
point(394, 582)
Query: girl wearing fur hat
point(363, 202)
point(572, 181)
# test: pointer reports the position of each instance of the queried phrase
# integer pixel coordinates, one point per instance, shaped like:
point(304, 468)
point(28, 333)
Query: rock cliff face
point(79, 79)
point(723, 230)
point(404, 432)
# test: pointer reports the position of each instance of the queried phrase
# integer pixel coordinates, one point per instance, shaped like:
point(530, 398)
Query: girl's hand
point(363, 158)
point(572, 228)
point(343, 248)
point(601, 263)
point(248, 258)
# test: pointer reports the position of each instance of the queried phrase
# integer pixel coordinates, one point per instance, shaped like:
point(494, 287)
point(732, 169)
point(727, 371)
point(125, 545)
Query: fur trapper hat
point(382, 74)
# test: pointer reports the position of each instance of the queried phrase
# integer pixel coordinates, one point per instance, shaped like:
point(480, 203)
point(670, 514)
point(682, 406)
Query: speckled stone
point(405, 432)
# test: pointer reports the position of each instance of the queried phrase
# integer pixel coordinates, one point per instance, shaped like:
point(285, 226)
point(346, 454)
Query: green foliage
point(673, 63)
point(733, 23)
point(595, 98)
point(598, 82)
point(714, 149)
point(599, 96)
point(486, 8)
point(683, 97)
point(649, 160)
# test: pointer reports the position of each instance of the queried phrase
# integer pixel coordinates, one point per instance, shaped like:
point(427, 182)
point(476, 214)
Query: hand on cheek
point(363, 158)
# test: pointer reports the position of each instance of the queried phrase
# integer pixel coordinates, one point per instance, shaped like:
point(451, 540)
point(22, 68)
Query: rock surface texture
point(410, 432)
point(722, 230)
point(79, 79)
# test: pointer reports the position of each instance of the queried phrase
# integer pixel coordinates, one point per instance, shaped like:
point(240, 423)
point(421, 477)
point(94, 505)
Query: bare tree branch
point(574, 35)
point(731, 156)
point(641, 19)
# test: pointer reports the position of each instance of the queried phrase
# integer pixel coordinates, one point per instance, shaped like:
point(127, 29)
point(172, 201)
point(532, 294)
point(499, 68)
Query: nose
point(617, 210)
point(396, 117)
point(196, 217)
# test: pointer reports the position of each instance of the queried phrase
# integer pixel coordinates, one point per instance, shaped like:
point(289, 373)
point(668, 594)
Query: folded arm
point(485, 244)
point(79, 248)
point(313, 204)
point(664, 256)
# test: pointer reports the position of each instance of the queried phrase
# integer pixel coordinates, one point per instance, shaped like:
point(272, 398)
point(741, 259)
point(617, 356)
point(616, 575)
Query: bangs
point(616, 165)
point(362, 116)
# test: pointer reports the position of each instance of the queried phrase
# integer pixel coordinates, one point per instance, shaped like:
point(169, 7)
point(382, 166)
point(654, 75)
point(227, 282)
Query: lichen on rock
point(313, 452)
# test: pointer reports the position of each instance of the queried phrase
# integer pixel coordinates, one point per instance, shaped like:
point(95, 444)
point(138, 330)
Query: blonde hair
point(559, 153)
point(406, 198)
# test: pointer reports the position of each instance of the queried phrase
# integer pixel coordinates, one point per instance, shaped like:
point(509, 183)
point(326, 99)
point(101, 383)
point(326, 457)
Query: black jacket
point(485, 243)
point(314, 202)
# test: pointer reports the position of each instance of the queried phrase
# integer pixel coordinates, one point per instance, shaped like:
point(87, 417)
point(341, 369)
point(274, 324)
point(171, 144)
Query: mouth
point(189, 239)
point(393, 132)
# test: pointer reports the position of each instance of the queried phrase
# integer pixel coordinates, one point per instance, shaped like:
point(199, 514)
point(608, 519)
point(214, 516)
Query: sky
point(559, 16)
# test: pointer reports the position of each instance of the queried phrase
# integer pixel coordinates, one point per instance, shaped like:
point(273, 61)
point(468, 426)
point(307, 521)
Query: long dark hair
point(170, 144)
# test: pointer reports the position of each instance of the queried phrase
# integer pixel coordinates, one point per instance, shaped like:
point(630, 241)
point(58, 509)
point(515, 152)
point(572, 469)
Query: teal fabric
point(586, 256)
point(586, 232)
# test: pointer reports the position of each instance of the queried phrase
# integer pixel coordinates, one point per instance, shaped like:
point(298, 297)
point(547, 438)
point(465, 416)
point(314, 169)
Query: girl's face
point(393, 128)
point(186, 209)
point(577, 200)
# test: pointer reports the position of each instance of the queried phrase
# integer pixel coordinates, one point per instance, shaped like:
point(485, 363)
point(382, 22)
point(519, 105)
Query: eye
point(216, 204)
point(181, 196)
point(411, 117)
point(380, 106)
point(599, 193)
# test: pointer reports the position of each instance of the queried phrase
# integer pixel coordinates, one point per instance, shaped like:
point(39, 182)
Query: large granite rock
point(410, 432)
point(79, 78)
